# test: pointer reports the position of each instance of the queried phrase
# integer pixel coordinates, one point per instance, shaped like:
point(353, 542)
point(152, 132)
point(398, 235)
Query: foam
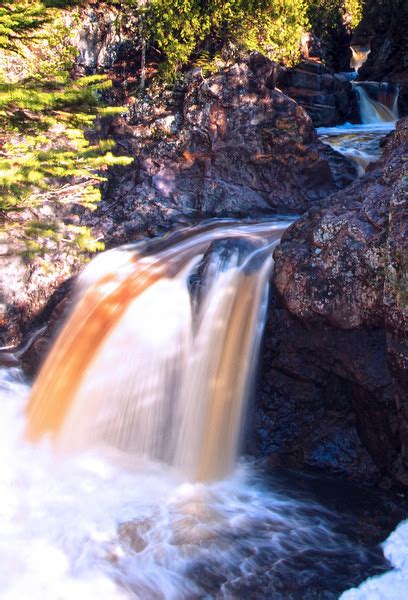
point(393, 585)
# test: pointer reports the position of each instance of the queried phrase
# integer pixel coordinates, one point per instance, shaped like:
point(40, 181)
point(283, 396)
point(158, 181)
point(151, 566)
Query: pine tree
point(46, 159)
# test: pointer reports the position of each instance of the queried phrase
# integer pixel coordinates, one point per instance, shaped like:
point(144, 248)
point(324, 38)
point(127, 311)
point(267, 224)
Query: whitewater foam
point(394, 584)
point(82, 528)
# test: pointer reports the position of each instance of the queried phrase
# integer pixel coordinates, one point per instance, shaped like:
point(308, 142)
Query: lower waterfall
point(143, 397)
point(158, 356)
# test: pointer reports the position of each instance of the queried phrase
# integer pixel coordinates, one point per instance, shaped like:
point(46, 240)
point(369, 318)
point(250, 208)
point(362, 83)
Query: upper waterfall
point(359, 56)
point(378, 102)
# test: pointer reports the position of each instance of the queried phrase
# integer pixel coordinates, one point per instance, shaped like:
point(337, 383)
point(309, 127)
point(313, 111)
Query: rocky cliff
point(336, 358)
point(228, 146)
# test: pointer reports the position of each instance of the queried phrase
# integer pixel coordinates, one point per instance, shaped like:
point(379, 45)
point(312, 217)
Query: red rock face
point(345, 267)
point(256, 148)
point(236, 146)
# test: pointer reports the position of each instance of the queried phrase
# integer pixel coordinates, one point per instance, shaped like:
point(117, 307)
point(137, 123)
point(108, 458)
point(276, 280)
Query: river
point(146, 496)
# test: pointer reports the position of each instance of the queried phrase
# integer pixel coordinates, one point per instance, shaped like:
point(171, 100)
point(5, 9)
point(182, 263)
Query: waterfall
point(158, 356)
point(378, 102)
point(378, 107)
point(359, 56)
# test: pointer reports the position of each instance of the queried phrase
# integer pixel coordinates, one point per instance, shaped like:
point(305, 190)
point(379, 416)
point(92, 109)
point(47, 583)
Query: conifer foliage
point(46, 160)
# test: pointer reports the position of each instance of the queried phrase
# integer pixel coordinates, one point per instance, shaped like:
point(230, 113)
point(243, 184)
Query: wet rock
point(341, 321)
point(135, 533)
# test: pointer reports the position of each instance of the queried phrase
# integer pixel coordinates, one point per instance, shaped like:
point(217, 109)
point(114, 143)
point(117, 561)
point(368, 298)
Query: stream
point(165, 518)
point(84, 527)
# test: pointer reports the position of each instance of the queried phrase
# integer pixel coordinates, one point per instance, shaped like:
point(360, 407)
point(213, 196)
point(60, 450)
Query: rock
point(228, 146)
point(396, 303)
point(326, 97)
point(104, 35)
point(304, 413)
point(339, 333)
point(245, 136)
point(306, 79)
point(242, 149)
point(312, 47)
point(231, 145)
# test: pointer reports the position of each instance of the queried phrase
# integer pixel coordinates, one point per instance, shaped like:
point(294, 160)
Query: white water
point(109, 524)
point(361, 142)
point(359, 55)
point(373, 111)
point(151, 364)
point(81, 528)
point(394, 584)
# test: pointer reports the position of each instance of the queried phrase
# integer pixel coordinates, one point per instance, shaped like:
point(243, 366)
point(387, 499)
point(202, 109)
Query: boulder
point(339, 347)
point(230, 145)
point(235, 146)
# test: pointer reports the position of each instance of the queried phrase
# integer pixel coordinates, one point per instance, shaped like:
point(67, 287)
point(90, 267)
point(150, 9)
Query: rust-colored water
point(159, 353)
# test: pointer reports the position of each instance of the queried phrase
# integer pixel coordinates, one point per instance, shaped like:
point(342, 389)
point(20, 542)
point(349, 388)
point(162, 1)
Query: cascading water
point(359, 55)
point(378, 108)
point(378, 102)
point(153, 369)
point(157, 357)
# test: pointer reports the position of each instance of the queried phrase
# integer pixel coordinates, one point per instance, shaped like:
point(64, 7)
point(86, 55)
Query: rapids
point(84, 528)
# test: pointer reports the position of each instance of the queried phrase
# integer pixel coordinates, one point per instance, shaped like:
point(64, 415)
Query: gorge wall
point(336, 350)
